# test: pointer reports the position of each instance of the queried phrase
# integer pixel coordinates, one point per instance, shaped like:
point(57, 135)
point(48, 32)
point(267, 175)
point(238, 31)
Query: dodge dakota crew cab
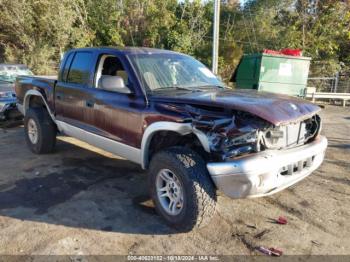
point(167, 112)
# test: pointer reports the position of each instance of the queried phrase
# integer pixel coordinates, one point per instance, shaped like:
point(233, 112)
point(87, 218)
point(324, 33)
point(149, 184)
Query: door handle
point(59, 96)
point(90, 103)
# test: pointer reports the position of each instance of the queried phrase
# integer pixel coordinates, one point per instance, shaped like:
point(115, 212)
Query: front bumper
point(267, 172)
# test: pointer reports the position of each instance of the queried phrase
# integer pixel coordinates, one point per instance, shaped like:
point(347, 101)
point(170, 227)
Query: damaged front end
point(255, 144)
point(250, 157)
point(233, 134)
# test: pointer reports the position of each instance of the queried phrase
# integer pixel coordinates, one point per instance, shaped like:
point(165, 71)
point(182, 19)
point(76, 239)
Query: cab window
point(66, 66)
point(79, 72)
point(110, 65)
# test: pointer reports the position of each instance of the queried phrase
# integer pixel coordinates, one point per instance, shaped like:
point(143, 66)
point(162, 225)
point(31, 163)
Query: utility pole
point(216, 36)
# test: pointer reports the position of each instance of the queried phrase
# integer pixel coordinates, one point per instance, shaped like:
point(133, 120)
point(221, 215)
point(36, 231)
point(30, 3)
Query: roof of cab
point(127, 50)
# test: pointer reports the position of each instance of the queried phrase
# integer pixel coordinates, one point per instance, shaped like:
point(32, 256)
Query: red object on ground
point(282, 220)
point(285, 51)
point(276, 252)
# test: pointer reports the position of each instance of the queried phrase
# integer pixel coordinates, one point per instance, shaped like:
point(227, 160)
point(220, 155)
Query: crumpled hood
point(274, 108)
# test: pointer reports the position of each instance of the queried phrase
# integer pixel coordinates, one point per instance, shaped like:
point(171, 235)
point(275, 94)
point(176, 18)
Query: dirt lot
point(81, 200)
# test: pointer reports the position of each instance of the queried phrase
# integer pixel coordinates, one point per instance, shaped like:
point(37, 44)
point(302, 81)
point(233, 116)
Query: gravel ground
point(81, 200)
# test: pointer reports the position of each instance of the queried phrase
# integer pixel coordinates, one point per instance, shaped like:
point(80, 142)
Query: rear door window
point(79, 72)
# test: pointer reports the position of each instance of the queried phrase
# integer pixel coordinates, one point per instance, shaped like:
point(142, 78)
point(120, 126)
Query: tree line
point(38, 32)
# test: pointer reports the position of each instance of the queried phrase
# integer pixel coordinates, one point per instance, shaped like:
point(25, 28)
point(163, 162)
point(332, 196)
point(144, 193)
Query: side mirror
point(113, 83)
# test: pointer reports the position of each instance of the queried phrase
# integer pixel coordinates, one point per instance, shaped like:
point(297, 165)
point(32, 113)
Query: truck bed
point(45, 85)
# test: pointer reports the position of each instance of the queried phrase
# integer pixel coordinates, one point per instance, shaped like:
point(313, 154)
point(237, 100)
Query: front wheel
point(181, 188)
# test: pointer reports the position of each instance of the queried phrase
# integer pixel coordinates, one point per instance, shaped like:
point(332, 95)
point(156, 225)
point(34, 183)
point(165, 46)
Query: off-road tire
point(46, 131)
point(199, 190)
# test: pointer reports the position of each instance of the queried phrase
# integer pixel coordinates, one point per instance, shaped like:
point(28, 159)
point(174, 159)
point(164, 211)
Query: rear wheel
point(181, 188)
point(40, 131)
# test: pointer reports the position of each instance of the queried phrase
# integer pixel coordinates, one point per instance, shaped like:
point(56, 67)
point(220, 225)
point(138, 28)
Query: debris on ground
point(276, 252)
point(247, 242)
point(270, 251)
point(251, 226)
point(315, 242)
point(262, 233)
point(281, 220)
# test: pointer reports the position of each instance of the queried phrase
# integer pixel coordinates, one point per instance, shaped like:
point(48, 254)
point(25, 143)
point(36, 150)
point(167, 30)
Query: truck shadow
point(86, 190)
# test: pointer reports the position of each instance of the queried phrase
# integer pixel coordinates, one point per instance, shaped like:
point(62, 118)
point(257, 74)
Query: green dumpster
point(273, 73)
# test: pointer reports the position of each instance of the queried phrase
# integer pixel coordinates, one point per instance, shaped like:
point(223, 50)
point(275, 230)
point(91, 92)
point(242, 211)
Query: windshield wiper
point(184, 88)
point(177, 88)
point(210, 86)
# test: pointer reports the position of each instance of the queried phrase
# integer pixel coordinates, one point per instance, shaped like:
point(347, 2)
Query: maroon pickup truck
point(167, 112)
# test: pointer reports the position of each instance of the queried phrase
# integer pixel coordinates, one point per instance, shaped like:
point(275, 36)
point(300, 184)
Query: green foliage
point(104, 20)
point(147, 22)
point(322, 35)
point(37, 32)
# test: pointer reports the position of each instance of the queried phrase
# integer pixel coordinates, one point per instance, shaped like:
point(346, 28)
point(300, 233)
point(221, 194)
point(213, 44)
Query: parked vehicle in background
point(167, 112)
point(8, 74)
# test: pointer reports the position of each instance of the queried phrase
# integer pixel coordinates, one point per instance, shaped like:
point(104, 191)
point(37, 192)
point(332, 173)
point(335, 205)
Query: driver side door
point(112, 114)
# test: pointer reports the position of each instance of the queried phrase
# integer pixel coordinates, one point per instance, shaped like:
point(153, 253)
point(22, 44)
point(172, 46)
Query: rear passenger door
point(71, 89)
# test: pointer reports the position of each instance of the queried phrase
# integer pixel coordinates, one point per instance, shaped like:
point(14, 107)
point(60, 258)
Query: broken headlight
point(247, 138)
point(231, 136)
point(234, 146)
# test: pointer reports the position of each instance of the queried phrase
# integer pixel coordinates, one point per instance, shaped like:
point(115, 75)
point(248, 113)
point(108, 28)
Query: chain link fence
point(337, 84)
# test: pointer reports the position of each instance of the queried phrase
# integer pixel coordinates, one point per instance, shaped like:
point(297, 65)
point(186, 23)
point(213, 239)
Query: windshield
point(169, 71)
point(8, 73)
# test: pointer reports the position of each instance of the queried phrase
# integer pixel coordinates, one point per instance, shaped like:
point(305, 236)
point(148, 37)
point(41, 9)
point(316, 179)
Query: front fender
point(180, 128)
